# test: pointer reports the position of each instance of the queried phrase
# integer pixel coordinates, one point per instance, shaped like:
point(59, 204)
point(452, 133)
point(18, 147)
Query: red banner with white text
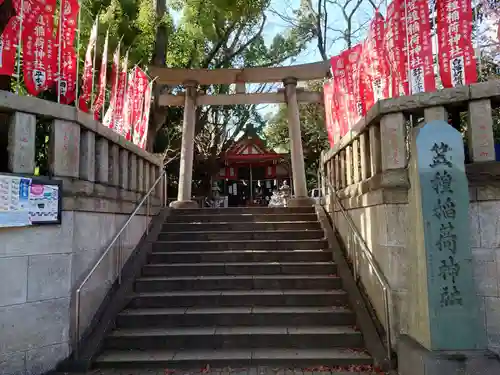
point(375, 67)
point(115, 73)
point(143, 128)
point(395, 47)
point(137, 105)
point(127, 104)
point(101, 93)
point(88, 71)
point(457, 65)
point(421, 68)
point(68, 21)
point(348, 92)
point(8, 47)
point(118, 111)
point(38, 42)
point(329, 111)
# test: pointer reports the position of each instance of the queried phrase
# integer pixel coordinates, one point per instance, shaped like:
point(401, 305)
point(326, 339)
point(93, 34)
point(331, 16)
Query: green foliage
point(314, 136)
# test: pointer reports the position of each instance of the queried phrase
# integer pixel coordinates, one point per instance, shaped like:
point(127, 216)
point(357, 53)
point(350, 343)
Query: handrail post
point(165, 197)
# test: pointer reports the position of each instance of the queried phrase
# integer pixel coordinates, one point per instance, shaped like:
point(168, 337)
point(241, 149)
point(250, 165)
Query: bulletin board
point(26, 201)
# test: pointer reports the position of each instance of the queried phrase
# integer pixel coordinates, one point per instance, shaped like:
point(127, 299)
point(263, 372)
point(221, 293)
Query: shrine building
point(251, 171)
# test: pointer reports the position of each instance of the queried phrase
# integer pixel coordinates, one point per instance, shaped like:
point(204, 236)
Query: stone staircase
point(239, 288)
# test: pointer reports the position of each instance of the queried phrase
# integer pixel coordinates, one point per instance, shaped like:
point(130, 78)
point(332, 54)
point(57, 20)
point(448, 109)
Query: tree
point(314, 136)
point(213, 35)
point(324, 23)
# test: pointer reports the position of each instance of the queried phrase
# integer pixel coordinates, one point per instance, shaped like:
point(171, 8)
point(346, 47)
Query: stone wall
point(484, 215)
point(39, 270)
point(103, 178)
point(382, 219)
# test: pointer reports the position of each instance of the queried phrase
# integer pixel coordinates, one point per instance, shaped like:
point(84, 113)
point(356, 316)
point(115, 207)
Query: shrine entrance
point(251, 171)
point(270, 162)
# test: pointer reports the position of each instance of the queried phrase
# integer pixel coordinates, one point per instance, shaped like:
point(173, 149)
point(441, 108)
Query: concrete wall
point(39, 268)
point(382, 219)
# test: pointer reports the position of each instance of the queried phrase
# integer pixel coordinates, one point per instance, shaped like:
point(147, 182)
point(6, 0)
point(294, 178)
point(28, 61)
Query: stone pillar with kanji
point(443, 307)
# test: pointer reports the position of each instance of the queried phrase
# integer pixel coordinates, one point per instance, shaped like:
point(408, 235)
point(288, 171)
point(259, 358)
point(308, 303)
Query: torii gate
point(191, 78)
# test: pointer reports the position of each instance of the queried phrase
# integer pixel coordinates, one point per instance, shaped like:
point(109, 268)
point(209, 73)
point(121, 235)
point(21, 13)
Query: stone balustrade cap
point(10, 102)
point(452, 97)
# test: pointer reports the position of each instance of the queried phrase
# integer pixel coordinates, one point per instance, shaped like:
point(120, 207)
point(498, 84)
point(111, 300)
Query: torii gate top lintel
point(286, 74)
point(303, 72)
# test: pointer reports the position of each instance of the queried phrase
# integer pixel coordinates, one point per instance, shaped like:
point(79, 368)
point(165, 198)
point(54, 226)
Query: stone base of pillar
point(414, 359)
point(183, 204)
point(300, 202)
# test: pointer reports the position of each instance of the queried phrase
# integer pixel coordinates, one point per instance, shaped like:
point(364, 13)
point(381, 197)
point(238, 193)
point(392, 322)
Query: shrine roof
point(250, 146)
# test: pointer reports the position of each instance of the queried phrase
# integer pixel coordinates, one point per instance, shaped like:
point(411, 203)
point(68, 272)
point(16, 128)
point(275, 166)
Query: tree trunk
point(159, 58)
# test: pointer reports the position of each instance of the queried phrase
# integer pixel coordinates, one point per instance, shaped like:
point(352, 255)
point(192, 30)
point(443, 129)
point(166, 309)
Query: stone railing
point(373, 153)
point(368, 169)
point(90, 159)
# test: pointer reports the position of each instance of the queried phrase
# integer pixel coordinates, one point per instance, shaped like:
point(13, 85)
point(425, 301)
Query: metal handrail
point(372, 262)
point(146, 196)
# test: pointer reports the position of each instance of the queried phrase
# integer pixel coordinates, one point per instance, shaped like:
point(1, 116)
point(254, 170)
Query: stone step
point(234, 337)
point(244, 282)
point(292, 316)
point(244, 210)
point(237, 218)
point(240, 298)
point(233, 268)
point(232, 226)
point(247, 235)
point(315, 244)
point(189, 359)
point(241, 256)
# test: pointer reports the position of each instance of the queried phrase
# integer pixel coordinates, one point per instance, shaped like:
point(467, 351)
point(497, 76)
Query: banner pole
point(79, 25)
point(59, 57)
point(19, 47)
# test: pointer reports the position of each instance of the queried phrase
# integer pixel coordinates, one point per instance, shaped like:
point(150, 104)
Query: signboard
point(29, 201)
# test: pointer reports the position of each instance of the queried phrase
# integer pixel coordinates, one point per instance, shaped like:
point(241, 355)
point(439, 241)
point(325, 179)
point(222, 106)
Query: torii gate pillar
point(297, 155)
point(187, 149)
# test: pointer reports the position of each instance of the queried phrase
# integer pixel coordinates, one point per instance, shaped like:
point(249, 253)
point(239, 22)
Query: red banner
point(329, 111)
point(420, 47)
point(375, 65)
point(348, 95)
point(68, 63)
point(140, 86)
point(457, 65)
point(88, 71)
point(108, 118)
point(127, 104)
point(39, 52)
point(118, 110)
point(395, 47)
point(101, 94)
point(143, 129)
point(8, 47)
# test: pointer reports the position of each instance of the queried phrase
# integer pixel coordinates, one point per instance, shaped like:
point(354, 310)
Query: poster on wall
point(29, 201)
point(14, 201)
point(45, 202)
